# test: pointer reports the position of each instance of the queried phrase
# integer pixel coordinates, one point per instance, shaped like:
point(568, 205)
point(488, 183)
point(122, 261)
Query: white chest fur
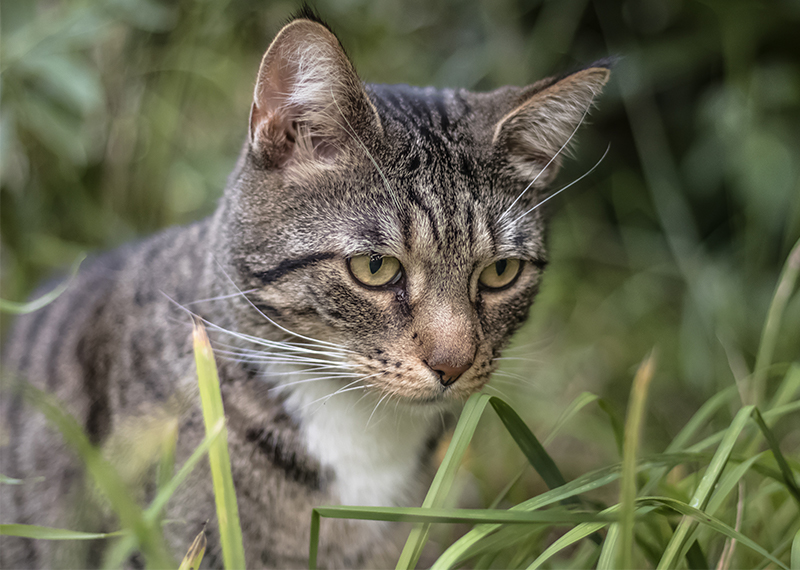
point(375, 453)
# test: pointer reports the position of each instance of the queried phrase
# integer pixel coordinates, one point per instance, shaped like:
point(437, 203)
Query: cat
point(374, 250)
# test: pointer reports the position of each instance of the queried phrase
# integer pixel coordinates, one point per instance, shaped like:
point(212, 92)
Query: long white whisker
point(549, 162)
point(318, 379)
point(490, 387)
point(269, 320)
point(375, 409)
point(340, 391)
point(554, 194)
point(352, 133)
point(220, 297)
point(285, 348)
point(281, 358)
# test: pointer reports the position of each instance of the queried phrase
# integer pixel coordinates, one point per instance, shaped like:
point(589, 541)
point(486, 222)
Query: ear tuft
point(308, 98)
point(538, 131)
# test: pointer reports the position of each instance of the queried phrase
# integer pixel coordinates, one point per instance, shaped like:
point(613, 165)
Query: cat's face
point(393, 222)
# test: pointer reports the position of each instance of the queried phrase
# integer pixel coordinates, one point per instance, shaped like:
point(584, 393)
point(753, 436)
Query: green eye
point(500, 273)
point(375, 270)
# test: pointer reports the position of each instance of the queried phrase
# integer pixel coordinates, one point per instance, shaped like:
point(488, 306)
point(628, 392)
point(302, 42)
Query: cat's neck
point(378, 455)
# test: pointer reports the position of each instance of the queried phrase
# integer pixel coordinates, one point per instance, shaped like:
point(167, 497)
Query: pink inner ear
point(272, 136)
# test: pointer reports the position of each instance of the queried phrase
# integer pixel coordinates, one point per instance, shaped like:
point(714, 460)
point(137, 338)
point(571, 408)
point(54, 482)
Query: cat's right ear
point(308, 103)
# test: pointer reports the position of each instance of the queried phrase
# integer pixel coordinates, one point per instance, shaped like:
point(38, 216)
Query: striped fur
point(335, 391)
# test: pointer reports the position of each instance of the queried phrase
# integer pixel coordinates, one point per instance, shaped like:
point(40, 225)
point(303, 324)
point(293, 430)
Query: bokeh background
point(120, 117)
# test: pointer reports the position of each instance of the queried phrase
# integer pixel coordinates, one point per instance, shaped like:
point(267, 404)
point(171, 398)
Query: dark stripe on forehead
point(417, 108)
point(289, 265)
point(418, 200)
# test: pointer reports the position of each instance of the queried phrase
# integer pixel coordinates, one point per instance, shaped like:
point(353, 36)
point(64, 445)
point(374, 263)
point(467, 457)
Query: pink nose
point(447, 373)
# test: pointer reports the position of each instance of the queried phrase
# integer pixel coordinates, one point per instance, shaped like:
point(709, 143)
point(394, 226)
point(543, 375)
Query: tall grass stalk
point(219, 459)
point(633, 430)
point(772, 325)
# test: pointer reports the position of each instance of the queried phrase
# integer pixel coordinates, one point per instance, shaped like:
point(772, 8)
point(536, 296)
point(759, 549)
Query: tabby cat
point(375, 248)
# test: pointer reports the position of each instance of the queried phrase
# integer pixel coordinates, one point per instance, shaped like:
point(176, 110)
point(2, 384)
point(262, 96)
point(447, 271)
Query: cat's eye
point(376, 270)
point(500, 273)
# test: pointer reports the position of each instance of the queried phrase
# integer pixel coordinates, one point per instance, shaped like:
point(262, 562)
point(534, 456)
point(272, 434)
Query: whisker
point(269, 320)
point(490, 387)
point(375, 409)
point(281, 358)
point(549, 162)
point(511, 375)
point(352, 133)
point(266, 342)
point(220, 297)
point(340, 391)
point(318, 379)
point(559, 191)
point(285, 349)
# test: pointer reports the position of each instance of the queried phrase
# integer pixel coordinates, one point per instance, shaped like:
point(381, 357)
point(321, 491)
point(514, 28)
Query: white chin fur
point(374, 453)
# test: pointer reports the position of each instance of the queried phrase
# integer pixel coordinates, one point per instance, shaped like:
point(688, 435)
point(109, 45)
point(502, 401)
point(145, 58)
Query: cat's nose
point(449, 374)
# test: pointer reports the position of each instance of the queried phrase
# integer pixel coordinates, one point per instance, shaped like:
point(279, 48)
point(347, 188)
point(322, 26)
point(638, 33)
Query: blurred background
point(121, 117)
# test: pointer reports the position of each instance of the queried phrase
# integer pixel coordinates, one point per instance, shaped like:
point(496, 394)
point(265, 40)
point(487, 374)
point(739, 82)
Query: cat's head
point(394, 222)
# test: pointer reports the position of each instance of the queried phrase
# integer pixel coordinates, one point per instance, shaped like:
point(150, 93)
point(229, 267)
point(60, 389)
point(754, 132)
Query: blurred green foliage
point(125, 116)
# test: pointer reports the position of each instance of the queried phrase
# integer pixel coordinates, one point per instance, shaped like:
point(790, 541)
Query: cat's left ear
point(546, 117)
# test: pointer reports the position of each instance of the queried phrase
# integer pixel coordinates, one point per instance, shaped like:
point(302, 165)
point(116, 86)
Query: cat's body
point(375, 232)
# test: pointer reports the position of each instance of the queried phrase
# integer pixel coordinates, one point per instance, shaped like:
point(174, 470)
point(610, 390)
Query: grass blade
point(49, 533)
point(104, 476)
point(557, 516)
point(786, 471)
point(708, 409)
point(117, 555)
point(583, 400)
point(195, 554)
point(703, 493)
point(633, 429)
point(443, 481)
point(769, 334)
point(529, 444)
point(609, 551)
point(715, 524)
point(31, 306)
point(219, 459)
point(794, 563)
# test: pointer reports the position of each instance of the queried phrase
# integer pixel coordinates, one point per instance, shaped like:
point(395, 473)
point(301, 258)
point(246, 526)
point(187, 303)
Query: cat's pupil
point(500, 266)
point(375, 264)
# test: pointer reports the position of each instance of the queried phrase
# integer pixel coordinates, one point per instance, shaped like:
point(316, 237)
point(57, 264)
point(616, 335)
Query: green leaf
point(48, 533)
point(554, 516)
point(608, 553)
point(617, 425)
point(443, 480)
point(583, 400)
point(795, 559)
point(104, 476)
point(195, 554)
point(31, 306)
point(633, 428)
point(568, 539)
point(788, 476)
point(711, 522)
point(701, 496)
point(230, 530)
point(5, 480)
point(769, 334)
point(527, 442)
point(120, 552)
